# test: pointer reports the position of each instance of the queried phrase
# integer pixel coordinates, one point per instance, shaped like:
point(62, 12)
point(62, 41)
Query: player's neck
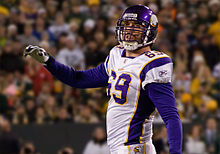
point(137, 52)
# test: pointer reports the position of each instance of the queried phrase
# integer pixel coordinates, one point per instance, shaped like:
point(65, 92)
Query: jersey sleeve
point(92, 78)
point(157, 71)
point(163, 98)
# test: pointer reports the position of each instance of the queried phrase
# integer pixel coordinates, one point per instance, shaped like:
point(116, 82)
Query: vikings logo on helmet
point(153, 20)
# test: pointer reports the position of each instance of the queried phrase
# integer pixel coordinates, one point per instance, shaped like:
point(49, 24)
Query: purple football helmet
point(137, 20)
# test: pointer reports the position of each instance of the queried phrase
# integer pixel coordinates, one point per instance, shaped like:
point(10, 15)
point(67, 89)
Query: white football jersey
point(130, 112)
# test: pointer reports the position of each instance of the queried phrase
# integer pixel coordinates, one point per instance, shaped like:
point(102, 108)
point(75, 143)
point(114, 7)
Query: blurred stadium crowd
point(80, 34)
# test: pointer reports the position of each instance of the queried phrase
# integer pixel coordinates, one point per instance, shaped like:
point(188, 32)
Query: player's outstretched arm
point(96, 77)
point(161, 94)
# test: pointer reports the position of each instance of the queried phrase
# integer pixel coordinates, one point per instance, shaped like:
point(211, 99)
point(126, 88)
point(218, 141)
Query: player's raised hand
point(37, 53)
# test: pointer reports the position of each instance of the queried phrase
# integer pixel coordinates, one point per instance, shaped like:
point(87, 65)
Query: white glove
point(39, 54)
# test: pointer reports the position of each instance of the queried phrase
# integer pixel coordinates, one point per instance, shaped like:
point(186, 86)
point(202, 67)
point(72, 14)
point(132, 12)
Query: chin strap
point(130, 45)
point(134, 45)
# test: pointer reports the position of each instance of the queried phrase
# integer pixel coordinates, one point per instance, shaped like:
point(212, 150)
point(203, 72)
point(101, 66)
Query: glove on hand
point(37, 53)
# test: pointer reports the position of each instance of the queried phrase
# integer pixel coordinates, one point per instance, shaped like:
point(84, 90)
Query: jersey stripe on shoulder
point(154, 63)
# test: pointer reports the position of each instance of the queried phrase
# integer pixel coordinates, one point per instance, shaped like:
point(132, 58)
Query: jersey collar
point(124, 51)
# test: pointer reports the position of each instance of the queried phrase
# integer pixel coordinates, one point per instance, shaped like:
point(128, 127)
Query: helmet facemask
point(131, 33)
point(137, 27)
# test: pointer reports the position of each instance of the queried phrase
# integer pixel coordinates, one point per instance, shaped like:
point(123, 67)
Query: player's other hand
point(37, 53)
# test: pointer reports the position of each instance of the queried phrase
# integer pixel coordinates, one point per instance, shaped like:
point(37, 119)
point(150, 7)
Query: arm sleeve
point(161, 94)
point(92, 78)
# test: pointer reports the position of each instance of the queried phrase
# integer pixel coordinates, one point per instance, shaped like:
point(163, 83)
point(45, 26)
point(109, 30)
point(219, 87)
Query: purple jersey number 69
point(122, 86)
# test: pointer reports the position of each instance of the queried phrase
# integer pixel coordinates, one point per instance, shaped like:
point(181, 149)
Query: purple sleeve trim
point(155, 63)
point(92, 78)
point(163, 98)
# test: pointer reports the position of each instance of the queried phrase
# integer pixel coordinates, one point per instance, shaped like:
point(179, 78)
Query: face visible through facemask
point(132, 31)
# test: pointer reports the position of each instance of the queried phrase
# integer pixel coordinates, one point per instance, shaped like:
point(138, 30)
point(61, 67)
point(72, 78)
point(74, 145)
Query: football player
point(138, 81)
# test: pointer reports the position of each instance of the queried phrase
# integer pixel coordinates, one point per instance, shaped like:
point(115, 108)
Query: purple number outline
point(113, 76)
point(122, 88)
point(149, 54)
